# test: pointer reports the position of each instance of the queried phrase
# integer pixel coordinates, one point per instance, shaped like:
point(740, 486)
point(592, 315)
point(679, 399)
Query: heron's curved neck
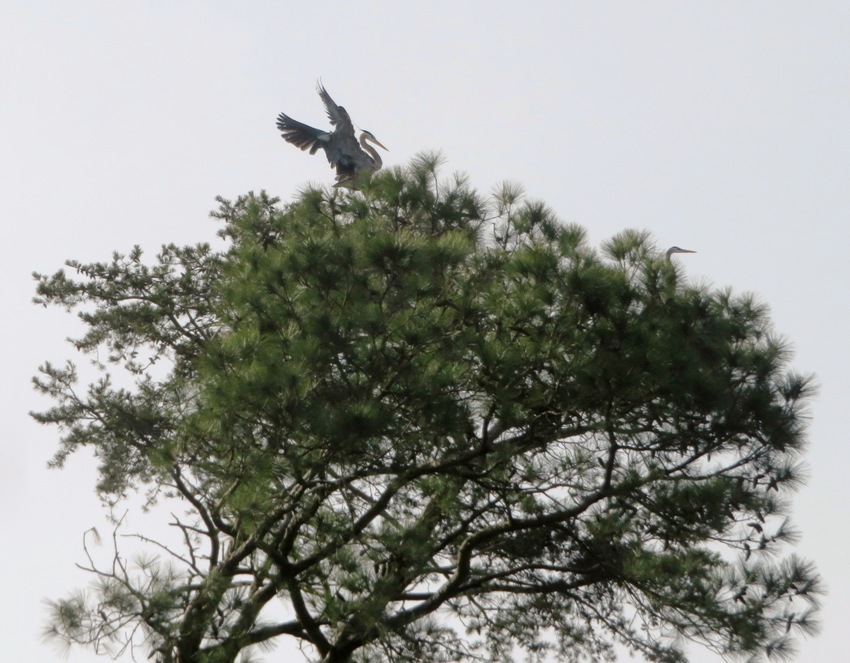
point(372, 151)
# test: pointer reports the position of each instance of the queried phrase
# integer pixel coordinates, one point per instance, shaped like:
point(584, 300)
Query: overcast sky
point(719, 126)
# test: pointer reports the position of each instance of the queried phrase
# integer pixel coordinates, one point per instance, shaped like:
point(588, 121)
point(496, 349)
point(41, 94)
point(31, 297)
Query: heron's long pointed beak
point(378, 143)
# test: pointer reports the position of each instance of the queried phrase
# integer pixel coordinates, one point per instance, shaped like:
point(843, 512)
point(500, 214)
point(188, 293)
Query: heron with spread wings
point(351, 158)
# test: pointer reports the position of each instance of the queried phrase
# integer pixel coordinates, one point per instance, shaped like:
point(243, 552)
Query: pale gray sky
point(719, 126)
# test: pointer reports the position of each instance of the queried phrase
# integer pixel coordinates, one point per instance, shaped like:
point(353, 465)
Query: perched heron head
point(368, 135)
point(676, 249)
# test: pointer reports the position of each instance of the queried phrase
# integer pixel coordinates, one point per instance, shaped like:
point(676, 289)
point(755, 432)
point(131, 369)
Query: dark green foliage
point(437, 427)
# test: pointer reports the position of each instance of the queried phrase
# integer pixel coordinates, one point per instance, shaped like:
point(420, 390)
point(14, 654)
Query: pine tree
point(438, 427)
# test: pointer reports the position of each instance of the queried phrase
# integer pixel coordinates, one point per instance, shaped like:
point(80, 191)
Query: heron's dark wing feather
point(336, 114)
point(302, 135)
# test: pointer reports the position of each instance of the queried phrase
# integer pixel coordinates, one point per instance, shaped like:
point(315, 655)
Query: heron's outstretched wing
point(305, 137)
point(336, 114)
point(301, 135)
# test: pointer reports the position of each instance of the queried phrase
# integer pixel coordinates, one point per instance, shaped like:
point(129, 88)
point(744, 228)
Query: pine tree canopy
point(415, 423)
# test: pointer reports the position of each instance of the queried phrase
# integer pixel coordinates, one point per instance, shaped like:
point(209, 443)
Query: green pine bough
point(414, 423)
